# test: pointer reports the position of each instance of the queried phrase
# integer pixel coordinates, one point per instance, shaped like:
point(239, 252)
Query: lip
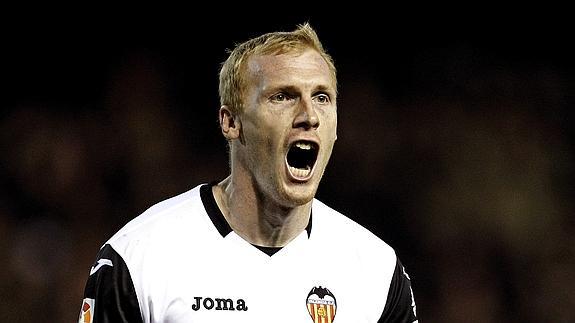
point(292, 177)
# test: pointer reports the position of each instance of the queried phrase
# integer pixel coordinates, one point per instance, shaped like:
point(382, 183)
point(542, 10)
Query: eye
point(279, 97)
point(322, 98)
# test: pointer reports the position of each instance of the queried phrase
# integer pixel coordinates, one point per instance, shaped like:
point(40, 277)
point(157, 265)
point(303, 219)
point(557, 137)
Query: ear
point(230, 124)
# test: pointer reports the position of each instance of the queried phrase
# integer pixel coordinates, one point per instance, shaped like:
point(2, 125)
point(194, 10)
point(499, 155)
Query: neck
point(257, 218)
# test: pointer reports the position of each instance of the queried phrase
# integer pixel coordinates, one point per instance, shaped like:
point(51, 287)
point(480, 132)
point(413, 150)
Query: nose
point(306, 117)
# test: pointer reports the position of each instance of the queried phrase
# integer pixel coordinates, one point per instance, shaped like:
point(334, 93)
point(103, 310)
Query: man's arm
point(109, 295)
point(400, 304)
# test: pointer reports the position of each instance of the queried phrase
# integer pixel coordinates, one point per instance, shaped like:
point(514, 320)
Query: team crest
point(87, 311)
point(321, 305)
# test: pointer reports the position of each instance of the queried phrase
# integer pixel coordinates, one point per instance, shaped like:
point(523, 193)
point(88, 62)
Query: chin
point(299, 194)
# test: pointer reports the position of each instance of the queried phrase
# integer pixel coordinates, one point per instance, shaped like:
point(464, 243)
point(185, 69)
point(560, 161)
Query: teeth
point(303, 145)
point(297, 172)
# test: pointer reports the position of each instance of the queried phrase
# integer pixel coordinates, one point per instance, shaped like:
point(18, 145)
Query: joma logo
point(219, 304)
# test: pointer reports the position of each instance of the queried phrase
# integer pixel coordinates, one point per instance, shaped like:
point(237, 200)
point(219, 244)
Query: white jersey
point(181, 262)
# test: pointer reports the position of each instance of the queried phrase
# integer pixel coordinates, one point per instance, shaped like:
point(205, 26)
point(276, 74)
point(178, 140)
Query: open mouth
point(301, 158)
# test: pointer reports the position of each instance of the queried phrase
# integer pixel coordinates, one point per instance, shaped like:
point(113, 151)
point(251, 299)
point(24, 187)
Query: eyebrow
point(292, 89)
point(323, 88)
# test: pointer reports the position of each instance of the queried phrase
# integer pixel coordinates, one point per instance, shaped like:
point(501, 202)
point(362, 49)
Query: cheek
point(329, 117)
point(264, 144)
point(330, 127)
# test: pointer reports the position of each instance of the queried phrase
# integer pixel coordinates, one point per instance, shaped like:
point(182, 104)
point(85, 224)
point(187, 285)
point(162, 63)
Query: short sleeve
point(109, 295)
point(400, 305)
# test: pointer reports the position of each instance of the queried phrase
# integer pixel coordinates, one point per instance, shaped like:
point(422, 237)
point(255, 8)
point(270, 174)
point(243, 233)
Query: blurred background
point(455, 145)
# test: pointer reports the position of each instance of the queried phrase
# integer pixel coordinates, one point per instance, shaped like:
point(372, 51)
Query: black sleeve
point(400, 304)
point(110, 295)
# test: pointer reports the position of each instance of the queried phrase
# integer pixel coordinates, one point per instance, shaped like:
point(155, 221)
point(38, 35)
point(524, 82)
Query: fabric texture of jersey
point(180, 262)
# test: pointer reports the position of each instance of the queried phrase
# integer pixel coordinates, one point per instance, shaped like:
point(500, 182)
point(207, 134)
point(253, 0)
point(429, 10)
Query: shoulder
point(161, 222)
point(373, 262)
point(347, 234)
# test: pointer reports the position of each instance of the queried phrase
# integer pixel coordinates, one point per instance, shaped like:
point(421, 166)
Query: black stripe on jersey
point(270, 251)
point(216, 215)
point(400, 304)
point(213, 210)
point(309, 222)
point(110, 286)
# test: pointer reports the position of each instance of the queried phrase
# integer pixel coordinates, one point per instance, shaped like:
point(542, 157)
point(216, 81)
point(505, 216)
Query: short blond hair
point(232, 73)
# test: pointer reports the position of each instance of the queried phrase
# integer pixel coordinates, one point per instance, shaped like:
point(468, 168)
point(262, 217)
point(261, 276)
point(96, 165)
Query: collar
point(216, 215)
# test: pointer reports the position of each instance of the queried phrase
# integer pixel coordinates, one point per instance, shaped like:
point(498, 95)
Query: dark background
point(455, 145)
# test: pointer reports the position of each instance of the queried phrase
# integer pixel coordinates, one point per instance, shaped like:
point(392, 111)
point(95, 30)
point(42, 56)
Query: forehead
point(306, 66)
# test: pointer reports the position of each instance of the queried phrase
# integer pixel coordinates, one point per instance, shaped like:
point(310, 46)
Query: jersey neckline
point(222, 225)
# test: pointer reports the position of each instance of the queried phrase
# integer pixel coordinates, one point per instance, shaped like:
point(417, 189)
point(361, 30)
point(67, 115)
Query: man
point(256, 246)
